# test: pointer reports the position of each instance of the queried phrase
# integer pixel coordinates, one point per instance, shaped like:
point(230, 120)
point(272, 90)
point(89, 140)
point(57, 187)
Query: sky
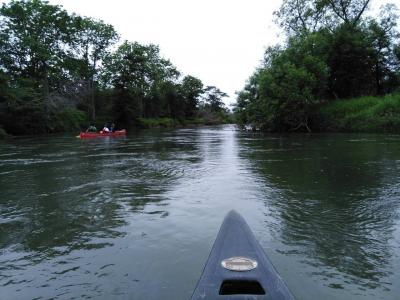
point(220, 42)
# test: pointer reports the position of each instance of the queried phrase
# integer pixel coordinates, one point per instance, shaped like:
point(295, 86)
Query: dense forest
point(331, 73)
point(60, 71)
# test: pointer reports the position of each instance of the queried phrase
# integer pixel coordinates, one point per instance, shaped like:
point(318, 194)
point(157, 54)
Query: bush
point(67, 120)
point(364, 114)
point(198, 121)
point(157, 122)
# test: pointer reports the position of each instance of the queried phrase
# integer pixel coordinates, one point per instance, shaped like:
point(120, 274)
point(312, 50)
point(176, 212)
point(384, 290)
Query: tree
point(92, 42)
point(246, 107)
point(136, 71)
point(57, 70)
point(294, 85)
point(299, 16)
point(350, 61)
point(191, 89)
point(349, 11)
point(332, 51)
point(382, 37)
point(35, 39)
point(213, 98)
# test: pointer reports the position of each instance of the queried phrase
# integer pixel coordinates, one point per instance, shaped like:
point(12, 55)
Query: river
point(136, 217)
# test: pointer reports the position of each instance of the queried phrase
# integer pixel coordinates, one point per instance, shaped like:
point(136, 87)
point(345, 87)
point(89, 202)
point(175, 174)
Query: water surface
point(135, 217)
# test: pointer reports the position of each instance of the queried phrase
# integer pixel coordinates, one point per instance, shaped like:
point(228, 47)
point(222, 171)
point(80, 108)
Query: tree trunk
point(92, 88)
point(92, 99)
point(46, 93)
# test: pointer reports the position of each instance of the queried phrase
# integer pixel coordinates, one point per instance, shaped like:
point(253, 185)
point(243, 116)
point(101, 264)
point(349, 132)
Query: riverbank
point(363, 114)
point(140, 123)
point(146, 123)
point(369, 114)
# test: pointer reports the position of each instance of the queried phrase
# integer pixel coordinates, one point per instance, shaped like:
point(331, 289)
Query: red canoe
point(102, 134)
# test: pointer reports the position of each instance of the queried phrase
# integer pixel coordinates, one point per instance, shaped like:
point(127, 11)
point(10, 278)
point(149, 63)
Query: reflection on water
point(136, 217)
point(336, 206)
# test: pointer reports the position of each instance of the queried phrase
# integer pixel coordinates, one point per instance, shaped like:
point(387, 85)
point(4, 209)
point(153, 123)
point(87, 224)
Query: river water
point(135, 217)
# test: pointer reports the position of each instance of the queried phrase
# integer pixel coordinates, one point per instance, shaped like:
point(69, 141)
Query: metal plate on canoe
point(239, 264)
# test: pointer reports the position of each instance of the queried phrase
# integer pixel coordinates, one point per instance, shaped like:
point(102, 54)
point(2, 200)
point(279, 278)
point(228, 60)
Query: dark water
point(135, 217)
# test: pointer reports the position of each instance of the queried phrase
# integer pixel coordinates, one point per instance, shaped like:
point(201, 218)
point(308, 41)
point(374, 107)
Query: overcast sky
point(219, 41)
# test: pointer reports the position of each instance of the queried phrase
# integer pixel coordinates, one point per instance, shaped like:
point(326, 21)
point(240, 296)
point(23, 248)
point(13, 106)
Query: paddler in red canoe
point(91, 128)
point(105, 129)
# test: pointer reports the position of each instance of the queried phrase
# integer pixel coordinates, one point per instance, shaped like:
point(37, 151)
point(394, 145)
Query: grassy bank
point(364, 114)
point(170, 123)
point(156, 122)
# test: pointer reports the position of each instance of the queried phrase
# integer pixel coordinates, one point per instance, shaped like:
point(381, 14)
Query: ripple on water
point(127, 213)
point(20, 161)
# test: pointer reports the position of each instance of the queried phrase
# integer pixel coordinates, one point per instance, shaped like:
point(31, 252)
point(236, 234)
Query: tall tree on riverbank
point(36, 38)
point(213, 98)
point(191, 90)
point(301, 16)
point(212, 106)
point(136, 72)
point(92, 43)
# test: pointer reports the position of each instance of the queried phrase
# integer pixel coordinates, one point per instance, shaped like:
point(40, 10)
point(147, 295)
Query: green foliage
point(364, 114)
point(289, 88)
point(191, 90)
point(145, 85)
point(48, 72)
point(137, 67)
point(57, 71)
point(91, 46)
point(297, 17)
point(332, 52)
point(194, 122)
point(23, 110)
point(212, 110)
point(351, 63)
point(210, 119)
point(68, 120)
point(36, 36)
point(157, 122)
point(212, 99)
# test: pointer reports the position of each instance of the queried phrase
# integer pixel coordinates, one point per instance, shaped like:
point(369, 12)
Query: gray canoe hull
point(235, 239)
